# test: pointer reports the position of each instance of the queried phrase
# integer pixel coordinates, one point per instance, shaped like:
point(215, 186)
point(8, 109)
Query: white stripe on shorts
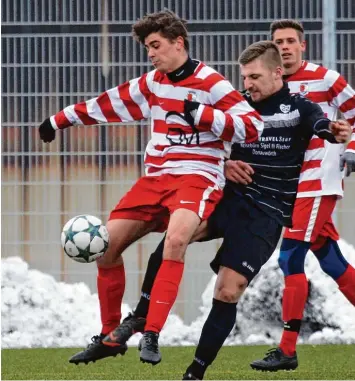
point(205, 196)
point(312, 218)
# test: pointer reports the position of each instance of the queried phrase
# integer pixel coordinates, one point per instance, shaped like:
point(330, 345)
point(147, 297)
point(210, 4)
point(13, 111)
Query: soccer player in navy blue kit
point(249, 218)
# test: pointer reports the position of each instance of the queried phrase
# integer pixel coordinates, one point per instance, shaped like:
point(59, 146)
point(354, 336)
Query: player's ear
point(303, 45)
point(279, 72)
point(180, 43)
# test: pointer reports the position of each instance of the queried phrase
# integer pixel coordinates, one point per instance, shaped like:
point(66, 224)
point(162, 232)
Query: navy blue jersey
point(290, 121)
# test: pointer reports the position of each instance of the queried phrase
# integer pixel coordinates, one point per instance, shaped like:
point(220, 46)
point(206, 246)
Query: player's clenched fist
point(46, 131)
point(341, 130)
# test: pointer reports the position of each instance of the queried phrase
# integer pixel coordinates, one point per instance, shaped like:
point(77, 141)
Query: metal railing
point(56, 53)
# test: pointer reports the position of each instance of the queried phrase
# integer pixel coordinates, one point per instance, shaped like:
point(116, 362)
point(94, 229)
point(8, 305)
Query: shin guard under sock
point(294, 300)
point(164, 293)
point(110, 286)
point(151, 272)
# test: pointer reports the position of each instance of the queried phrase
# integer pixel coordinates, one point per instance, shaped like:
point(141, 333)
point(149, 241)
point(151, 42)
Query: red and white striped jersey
point(225, 118)
point(320, 174)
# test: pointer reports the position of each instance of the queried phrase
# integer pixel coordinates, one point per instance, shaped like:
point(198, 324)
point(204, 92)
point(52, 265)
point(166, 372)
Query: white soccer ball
point(84, 238)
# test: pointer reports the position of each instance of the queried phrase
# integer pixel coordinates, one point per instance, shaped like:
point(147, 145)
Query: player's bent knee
point(175, 246)
point(283, 262)
point(108, 260)
point(227, 294)
point(230, 285)
point(333, 262)
point(122, 233)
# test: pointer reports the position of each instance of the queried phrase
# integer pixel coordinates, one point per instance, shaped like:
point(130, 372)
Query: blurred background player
point(320, 186)
point(184, 167)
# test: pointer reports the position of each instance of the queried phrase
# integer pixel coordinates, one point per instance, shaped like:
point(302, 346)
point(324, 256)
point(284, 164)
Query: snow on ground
point(38, 311)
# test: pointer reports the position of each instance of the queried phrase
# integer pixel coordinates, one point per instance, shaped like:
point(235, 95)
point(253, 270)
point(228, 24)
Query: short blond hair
point(266, 50)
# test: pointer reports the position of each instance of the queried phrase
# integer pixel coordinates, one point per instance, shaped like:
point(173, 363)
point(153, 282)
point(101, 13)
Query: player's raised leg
point(136, 320)
point(111, 286)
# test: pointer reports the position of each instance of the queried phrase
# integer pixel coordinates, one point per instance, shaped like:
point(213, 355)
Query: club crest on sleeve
point(191, 96)
point(303, 89)
point(285, 108)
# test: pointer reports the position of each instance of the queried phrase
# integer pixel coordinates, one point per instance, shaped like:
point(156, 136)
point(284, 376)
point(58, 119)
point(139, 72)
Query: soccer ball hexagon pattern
point(84, 238)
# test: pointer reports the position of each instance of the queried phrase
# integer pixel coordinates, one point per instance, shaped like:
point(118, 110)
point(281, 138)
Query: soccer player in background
point(320, 186)
point(250, 218)
point(184, 162)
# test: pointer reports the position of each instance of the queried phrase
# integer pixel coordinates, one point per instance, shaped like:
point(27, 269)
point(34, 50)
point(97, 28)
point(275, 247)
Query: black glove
point(189, 108)
point(347, 158)
point(46, 131)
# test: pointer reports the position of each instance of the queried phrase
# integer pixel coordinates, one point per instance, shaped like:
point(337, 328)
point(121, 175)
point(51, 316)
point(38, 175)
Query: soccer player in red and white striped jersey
point(184, 161)
point(320, 185)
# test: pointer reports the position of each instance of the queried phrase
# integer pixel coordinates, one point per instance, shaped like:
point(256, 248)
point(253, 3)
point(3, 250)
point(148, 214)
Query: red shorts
point(312, 220)
point(155, 198)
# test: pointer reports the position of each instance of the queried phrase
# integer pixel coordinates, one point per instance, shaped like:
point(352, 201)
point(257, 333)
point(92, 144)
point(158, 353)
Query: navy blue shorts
point(249, 235)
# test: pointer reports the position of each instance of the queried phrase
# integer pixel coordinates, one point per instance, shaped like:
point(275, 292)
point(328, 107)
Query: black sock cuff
point(222, 304)
point(293, 325)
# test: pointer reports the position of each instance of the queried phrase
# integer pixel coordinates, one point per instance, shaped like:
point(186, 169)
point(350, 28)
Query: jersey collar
point(183, 71)
point(272, 101)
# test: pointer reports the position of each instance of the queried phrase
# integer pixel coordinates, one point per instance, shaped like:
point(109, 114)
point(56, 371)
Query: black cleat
point(275, 360)
point(149, 348)
point(129, 326)
point(97, 351)
point(189, 376)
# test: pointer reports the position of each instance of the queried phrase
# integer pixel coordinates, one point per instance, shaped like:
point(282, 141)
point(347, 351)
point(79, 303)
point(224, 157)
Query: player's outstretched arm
point(342, 96)
point(124, 103)
point(314, 122)
point(341, 130)
point(334, 132)
point(229, 116)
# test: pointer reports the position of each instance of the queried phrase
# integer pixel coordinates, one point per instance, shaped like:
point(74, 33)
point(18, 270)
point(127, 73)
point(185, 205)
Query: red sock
point(293, 303)
point(110, 286)
point(346, 283)
point(164, 293)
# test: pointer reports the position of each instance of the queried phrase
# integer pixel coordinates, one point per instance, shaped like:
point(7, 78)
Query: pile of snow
point(37, 311)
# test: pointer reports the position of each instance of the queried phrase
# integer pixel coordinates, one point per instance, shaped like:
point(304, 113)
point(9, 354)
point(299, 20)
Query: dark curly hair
point(166, 22)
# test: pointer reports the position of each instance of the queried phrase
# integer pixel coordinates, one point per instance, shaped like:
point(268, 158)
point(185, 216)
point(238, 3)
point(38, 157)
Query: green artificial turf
point(320, 362)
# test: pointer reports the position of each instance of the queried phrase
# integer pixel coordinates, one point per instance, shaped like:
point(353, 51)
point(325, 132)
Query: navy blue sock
point(216, 329)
